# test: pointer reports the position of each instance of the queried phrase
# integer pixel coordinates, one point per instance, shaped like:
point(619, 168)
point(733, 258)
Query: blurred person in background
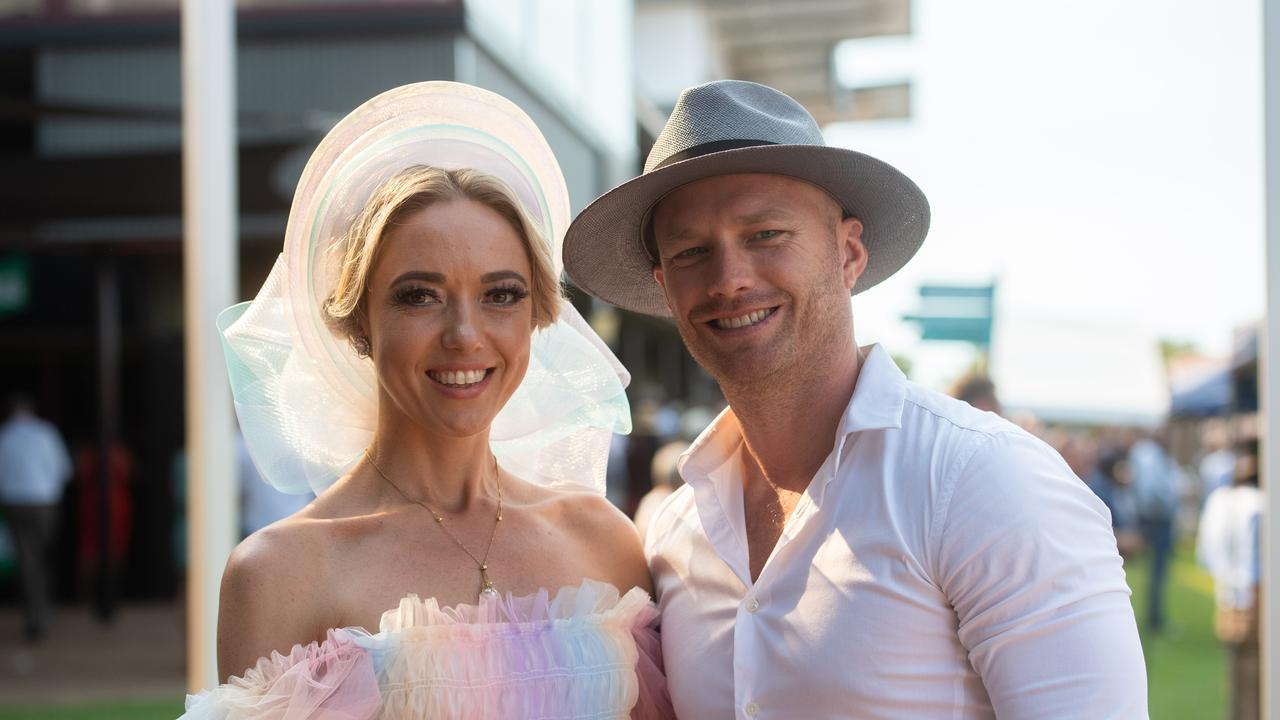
point(102, 567)
point(1155, 493)
point(34, 470)
point(1228, 546)
point(1217, 467)
point(1111, 481)
point(665, 473)
point(979, 391)
point(666, 480)
point(434, 340)
point(642, 444)
point(1078, 450)
point(848, 544)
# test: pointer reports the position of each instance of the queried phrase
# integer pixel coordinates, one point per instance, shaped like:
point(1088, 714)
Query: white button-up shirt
point(34, 465)
point(941, 564)
point(1228, 543)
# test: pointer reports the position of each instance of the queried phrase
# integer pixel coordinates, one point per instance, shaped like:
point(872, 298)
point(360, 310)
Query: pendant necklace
point(487, 590)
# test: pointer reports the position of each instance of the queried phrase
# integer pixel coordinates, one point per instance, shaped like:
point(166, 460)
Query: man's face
point(757, 270)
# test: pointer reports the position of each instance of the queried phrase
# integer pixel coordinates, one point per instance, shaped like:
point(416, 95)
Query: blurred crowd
point(1211, 495)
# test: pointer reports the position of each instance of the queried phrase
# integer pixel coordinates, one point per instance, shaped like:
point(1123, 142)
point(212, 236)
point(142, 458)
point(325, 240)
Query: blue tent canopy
point(1212, 395)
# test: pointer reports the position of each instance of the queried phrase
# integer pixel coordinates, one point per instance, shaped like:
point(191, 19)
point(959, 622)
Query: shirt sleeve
point(1255, 548)
point(1027, 557)
point(1209, 533)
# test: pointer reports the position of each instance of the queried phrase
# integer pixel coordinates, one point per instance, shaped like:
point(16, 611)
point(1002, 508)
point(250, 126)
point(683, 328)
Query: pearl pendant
point(487, 590)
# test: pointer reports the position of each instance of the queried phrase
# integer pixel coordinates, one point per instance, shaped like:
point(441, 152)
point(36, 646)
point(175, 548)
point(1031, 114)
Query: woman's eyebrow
point(503, 275)
point(431, 277)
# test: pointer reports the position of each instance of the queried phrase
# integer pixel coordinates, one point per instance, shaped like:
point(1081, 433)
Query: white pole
point(1269, 356)
point(210, 240)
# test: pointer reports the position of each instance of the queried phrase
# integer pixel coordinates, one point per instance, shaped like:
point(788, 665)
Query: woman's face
point(449, 317)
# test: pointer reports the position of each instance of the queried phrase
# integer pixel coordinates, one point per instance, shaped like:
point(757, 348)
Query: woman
point(406, 347)
point(1228, 546)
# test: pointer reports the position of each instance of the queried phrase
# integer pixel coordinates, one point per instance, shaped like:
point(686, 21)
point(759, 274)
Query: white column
point(210, 271)
point(1269, 354)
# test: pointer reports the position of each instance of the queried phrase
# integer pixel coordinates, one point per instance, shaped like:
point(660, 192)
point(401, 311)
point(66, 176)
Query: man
point(848, 544)
point(1155, 493)
point(34, 469)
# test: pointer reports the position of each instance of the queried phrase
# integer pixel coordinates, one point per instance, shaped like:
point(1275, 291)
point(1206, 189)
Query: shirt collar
point(878, 397)
point(712, 449)
point(876, 404)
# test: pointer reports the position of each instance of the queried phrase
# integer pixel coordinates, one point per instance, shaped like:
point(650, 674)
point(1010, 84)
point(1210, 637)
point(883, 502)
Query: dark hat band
point(708, 148)
point(646, 222)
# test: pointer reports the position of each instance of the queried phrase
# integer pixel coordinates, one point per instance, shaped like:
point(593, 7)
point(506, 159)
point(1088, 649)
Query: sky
point(1102, 161)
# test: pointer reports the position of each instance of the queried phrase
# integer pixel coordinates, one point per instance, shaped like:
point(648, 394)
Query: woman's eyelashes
point(506, 295)
point(415, 296)
point(420, 296)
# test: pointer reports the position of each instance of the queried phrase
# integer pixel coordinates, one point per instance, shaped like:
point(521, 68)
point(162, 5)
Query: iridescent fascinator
point(307, 402)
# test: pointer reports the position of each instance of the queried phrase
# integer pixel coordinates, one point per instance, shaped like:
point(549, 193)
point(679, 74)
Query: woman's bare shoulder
point(278, 553)
point(270, 598)
point(609, 537)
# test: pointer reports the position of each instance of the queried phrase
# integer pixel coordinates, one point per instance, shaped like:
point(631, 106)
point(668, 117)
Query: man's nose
point(731, 272)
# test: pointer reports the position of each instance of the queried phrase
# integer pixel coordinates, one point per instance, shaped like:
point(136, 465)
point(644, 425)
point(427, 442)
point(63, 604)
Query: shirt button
point(752, 709)
point(753, 605)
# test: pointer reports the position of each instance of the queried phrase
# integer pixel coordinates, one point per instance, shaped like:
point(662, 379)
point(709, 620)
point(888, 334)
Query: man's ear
point(853, 253)
point(659, 278)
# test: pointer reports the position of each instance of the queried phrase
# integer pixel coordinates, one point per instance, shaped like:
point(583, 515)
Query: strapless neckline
point(584, 651)
point(587, 599)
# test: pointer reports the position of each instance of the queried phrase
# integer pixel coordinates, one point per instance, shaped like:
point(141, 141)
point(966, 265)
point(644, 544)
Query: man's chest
point(836, 622)
point(766, 514)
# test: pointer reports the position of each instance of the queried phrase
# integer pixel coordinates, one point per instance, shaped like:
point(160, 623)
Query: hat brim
point(604, 252)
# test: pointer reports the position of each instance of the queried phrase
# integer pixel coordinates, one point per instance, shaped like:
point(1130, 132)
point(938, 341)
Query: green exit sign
point(15, 284)
point(973, 330)
point(955, 312)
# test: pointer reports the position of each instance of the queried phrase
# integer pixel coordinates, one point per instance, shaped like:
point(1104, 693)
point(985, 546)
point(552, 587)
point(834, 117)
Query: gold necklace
point(487, 590)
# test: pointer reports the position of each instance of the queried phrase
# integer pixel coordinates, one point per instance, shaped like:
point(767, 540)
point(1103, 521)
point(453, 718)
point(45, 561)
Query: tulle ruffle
point(584, 652)
point(329, 680)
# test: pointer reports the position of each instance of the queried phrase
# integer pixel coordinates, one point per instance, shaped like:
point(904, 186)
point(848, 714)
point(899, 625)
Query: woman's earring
point(362, 346)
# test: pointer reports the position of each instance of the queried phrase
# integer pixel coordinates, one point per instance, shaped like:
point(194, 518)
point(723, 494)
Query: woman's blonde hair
point(414, 189)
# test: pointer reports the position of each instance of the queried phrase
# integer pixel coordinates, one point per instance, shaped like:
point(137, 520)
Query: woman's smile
point(460, 383)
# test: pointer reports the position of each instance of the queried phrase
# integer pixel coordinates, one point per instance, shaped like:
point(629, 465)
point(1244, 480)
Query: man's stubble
point(817, 326)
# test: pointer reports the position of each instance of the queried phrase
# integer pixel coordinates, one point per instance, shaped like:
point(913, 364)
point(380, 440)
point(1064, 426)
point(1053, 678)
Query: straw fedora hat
point(733, 126)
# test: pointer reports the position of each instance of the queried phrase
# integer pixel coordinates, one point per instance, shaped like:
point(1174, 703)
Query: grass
point(138, 710)
point(1186, 675)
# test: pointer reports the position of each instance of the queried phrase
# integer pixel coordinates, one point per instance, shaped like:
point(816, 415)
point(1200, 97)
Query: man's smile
point(745, 320)
point(742, 320)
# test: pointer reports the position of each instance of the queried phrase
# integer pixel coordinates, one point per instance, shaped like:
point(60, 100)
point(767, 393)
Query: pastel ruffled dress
point(585, 652)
